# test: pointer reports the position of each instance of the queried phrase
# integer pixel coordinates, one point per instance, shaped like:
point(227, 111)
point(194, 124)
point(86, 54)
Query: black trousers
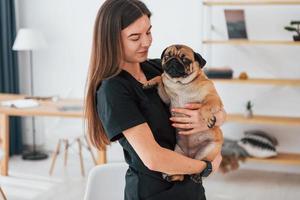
point(185, 190)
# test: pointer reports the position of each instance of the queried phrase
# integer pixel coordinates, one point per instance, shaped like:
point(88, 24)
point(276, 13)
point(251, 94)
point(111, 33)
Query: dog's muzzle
point(174, 68)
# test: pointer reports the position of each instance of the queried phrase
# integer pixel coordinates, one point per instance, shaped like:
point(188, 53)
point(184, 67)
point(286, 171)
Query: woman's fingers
point(181, 119)
point(191, 120)
point(189, 132)
point(193, 106)
point(183, 111)
point(183, 126)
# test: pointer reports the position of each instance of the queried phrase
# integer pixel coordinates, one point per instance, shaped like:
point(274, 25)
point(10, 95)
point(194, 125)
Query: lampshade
point(29, 39)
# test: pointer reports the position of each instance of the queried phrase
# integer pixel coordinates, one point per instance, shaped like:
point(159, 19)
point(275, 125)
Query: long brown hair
point(106, 54)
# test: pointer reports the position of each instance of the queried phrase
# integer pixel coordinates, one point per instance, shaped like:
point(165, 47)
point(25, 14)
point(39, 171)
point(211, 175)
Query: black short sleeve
point(117, 109)
point(156, 63)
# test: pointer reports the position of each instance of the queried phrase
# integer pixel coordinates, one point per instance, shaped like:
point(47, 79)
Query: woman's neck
point(135, 70)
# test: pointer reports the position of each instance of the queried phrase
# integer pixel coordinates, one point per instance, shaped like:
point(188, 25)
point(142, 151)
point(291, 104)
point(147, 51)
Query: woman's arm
point(158, 158)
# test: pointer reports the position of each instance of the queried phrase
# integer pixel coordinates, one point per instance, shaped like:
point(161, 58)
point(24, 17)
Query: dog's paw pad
point(211, 122)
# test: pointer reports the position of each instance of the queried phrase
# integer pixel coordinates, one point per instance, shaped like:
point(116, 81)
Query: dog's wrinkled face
point(181, 64)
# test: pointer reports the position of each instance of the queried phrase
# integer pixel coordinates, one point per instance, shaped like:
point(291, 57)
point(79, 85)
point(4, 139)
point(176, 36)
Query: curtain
point(9, 78)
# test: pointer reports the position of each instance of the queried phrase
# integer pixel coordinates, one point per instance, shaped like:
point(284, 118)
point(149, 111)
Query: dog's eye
point(186, 61)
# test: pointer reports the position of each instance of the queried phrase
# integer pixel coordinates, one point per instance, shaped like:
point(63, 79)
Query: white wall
point(61, 68)
point(67, 24)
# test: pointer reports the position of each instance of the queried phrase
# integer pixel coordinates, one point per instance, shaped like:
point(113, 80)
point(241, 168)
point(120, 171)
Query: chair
point(2, 195)
point(106, 182)
point(66, 140)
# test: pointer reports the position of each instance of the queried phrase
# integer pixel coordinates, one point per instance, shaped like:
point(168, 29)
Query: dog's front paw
point(209, 118)
point(171, 178)
point(196, 178)
point(166, 177)
point(153, 83)
point(211, 121)
point(149, 85)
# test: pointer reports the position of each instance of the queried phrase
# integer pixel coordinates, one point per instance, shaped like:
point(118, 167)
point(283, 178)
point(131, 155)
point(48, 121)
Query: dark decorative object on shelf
point(249, 111)
point(292, 29)
point(259, 144)
point(221, 72)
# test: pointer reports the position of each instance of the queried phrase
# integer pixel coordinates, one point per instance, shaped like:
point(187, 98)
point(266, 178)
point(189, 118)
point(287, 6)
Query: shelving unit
point(263, 81)
point(282, 158)
point(251, 42)
point(263, 119)
point(249, 2)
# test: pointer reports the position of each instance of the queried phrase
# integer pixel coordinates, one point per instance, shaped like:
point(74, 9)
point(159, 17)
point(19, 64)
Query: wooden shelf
point(278, 82)
point(251, 42)
point(249, 2)
point(282, 158)
point(262, 119)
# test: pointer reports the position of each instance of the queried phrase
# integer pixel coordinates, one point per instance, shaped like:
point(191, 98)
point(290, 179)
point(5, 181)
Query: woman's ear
point(199, 59)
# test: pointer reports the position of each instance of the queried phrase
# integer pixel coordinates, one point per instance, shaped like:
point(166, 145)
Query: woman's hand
point(193, 122)
point(216, 163)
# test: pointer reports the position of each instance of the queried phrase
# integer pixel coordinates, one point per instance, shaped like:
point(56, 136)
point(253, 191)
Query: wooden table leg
point(4, 135)
point(101, 157)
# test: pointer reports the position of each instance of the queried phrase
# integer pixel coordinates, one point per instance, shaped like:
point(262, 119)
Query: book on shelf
point(235, 22)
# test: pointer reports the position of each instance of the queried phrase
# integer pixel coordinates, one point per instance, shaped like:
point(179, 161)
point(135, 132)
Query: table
point(46, 108)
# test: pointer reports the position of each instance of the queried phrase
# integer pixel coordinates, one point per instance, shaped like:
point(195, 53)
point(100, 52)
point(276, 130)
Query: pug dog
point(182, 82)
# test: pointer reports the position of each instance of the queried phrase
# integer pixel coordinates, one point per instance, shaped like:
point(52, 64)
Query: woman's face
point(136, 40)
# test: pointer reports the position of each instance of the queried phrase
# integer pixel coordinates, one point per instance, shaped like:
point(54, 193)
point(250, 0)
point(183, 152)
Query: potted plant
point(292, 29)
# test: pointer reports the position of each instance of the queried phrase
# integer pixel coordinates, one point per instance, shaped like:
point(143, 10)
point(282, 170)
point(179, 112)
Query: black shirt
point(122, 103)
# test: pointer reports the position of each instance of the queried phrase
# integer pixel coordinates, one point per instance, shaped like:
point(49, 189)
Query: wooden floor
point(30, 181)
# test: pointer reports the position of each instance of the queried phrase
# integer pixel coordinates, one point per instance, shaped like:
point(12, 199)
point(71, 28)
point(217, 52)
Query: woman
point(118, 109)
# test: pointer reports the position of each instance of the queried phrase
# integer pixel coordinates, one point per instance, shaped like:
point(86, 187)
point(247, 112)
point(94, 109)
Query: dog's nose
point(174, 68)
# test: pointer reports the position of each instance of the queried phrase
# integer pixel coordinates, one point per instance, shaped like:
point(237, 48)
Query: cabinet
point(282, 158)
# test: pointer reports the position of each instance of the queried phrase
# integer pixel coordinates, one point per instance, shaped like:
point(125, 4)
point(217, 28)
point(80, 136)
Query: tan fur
point(195, 87)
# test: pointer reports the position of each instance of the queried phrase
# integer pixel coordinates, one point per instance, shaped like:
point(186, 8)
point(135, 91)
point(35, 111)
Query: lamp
point(29, 40)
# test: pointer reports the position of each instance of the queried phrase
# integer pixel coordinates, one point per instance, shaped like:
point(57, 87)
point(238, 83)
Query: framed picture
point(235, 22)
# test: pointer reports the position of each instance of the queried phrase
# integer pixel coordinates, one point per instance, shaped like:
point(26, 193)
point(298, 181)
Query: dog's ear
point(162, 54)
point(199, 59)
